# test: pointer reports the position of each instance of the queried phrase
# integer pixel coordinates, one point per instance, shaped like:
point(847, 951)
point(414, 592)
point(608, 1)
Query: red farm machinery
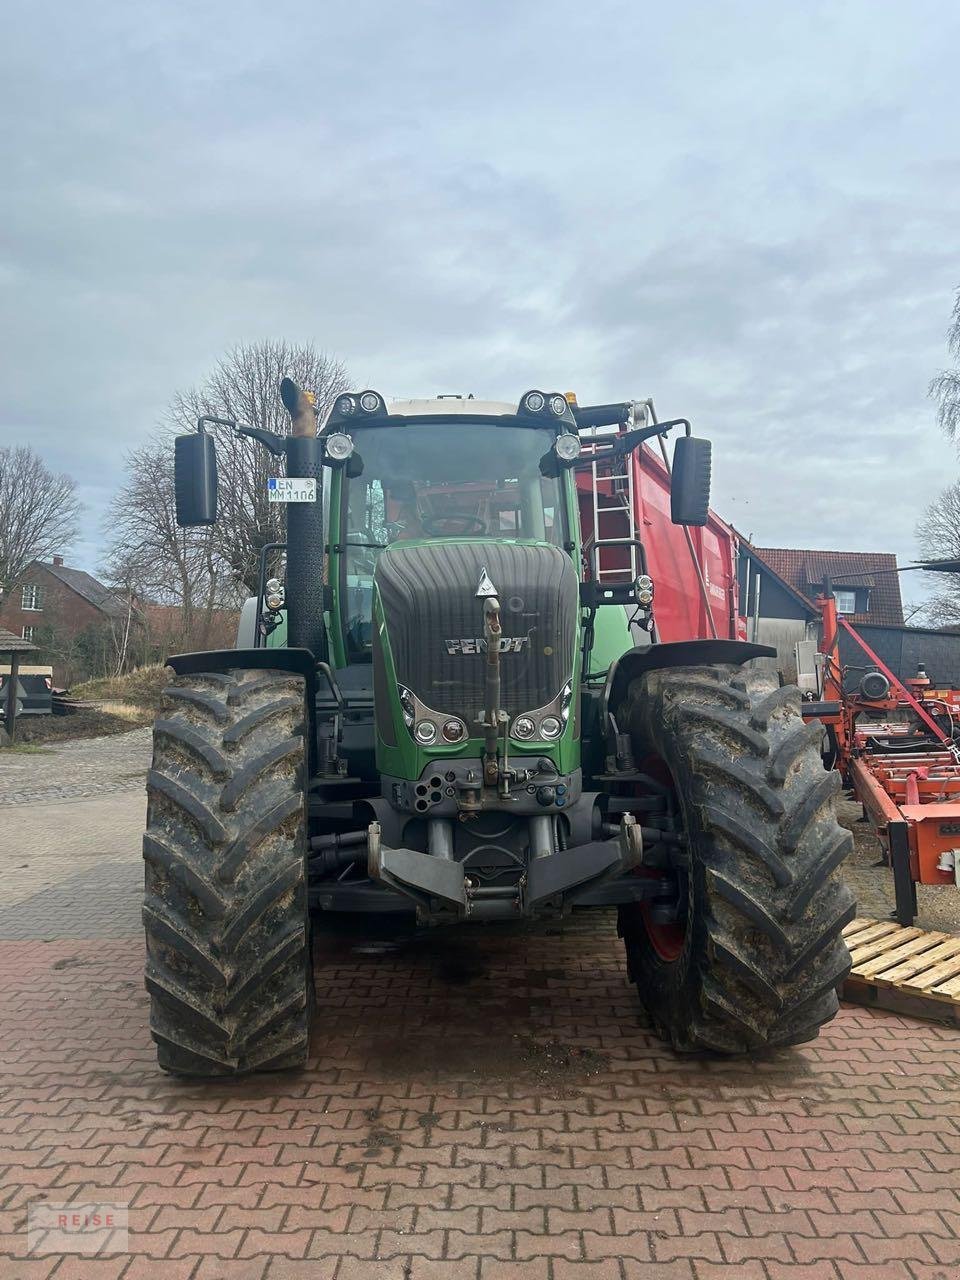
point(624, 499)
point(895, 745)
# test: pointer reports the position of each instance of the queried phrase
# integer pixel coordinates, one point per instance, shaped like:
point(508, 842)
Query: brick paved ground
point(483, 1103)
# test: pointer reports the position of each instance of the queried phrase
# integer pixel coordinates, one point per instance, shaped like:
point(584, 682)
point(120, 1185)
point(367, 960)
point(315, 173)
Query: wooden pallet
point(908, 971)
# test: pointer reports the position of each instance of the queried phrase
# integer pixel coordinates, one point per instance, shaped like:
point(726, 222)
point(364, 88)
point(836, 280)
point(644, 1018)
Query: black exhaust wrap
point(305, 628)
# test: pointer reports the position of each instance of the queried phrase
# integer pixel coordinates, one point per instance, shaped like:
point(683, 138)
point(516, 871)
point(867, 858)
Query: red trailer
point(627, 530)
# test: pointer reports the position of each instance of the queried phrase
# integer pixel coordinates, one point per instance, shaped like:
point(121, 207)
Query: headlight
point(453, 730)
point(559, 405)
point(370, 402)
point(425, 732)
point(407, 705)
point(567, 446)
point(339, 446)
point(273, 594)
point(551, 727)
point(523, 727)
point(345, 406)
point(644, 588)
point(534, 401)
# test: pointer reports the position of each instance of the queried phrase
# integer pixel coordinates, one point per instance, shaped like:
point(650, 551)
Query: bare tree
point(938, 533)
point(150, 557)
point(945, 387)
point(206, 570)
point(38, 513)
point(245, 386)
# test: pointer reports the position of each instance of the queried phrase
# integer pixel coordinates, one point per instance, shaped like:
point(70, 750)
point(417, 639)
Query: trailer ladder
point(618, 485)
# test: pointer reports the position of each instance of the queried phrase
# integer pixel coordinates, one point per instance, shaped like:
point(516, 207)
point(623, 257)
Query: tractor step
point(908, 971)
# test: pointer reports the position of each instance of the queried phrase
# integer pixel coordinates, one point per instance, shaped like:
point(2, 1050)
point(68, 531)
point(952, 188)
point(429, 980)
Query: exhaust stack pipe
point(304, 452)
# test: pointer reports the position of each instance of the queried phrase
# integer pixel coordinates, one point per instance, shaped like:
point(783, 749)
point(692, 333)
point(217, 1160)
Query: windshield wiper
point(378, 545)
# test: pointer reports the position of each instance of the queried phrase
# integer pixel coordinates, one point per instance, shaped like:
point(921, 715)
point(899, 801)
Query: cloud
point(746, 211)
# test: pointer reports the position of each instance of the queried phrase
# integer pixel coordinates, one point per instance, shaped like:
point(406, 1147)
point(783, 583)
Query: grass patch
point(140, 688)
point(84, 722)
point(28, 749)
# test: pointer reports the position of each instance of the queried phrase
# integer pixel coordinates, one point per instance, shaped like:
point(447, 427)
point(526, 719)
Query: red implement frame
point(908, 784)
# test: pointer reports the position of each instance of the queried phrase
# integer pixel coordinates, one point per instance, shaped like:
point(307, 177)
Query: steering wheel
point(471, 524)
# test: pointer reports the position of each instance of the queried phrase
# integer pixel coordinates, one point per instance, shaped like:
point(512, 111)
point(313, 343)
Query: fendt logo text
point(508, 644)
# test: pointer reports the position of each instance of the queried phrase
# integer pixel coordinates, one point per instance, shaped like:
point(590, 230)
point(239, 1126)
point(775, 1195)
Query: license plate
point(291, 489)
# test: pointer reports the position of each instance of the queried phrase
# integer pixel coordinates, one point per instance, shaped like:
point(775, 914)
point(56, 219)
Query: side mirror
point(195, 479)
point(690, 483)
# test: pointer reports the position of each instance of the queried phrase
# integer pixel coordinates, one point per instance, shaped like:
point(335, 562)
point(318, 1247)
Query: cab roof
point(447, 407)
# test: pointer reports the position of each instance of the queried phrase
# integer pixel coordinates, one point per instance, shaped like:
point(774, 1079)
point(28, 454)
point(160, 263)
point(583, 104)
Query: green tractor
point(439, 711)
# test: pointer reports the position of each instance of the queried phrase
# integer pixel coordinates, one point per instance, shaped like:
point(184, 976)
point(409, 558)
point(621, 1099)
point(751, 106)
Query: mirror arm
point(631, 439)
point(216, 422)
point(276, 444)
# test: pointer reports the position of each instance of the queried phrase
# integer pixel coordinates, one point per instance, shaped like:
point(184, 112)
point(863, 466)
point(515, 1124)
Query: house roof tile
point(806, 571)
point(85, 585)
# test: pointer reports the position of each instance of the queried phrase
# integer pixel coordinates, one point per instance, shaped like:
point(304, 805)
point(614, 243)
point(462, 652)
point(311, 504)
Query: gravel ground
point(79, 768)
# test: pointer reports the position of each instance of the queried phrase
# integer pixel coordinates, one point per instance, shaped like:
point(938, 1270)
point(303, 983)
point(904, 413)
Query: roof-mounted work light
point(550, 406)
point(356, 406)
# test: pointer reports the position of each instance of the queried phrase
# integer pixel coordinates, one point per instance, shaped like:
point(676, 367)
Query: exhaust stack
point(305, 628)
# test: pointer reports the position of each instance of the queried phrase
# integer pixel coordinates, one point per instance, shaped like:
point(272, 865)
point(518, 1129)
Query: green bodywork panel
point(611, 638)
point(277, 639)
point(407, 759)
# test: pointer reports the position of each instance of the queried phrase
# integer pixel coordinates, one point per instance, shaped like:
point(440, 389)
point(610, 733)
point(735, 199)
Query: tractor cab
point(432, 472)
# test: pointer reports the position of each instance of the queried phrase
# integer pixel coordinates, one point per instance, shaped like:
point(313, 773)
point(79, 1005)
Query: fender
point(679, 653)
point(300, 662)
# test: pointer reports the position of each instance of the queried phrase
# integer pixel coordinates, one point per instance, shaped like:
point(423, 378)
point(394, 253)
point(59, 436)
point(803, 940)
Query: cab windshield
point(441, 479)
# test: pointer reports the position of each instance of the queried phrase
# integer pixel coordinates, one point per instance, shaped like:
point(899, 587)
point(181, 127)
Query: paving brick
point(211, 1268)
point(91, 1268)
point(142, 1268)
point(564, 1270)
point(794, 1271)
point(838, 1159)
point(525, 1269)
point(292, 1269)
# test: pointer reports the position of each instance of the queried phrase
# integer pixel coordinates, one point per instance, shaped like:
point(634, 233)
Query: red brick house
point(865, 583)
point(59, 608)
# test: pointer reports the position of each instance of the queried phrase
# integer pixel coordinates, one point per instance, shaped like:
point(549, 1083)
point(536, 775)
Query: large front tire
point(225, 906)
point(756, 957)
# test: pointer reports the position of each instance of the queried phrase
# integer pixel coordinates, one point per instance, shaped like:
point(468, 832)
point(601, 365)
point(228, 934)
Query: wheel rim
point(667, 939)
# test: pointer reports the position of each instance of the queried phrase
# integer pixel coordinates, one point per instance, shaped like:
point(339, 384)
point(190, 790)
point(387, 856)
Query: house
point(67, 613)
point(777, 613)
point(865, 584)
point(778, 586)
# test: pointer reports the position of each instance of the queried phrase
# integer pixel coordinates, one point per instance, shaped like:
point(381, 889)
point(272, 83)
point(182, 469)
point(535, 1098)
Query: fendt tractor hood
point(428, 592)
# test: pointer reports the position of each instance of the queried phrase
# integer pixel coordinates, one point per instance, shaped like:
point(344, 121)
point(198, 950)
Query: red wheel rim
point(667, 940)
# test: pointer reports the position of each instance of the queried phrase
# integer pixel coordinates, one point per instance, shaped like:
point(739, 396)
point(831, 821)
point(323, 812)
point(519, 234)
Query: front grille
point(428, 598)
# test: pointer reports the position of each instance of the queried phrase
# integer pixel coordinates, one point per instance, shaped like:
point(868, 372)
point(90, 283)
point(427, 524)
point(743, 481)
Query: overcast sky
point(747, 210)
